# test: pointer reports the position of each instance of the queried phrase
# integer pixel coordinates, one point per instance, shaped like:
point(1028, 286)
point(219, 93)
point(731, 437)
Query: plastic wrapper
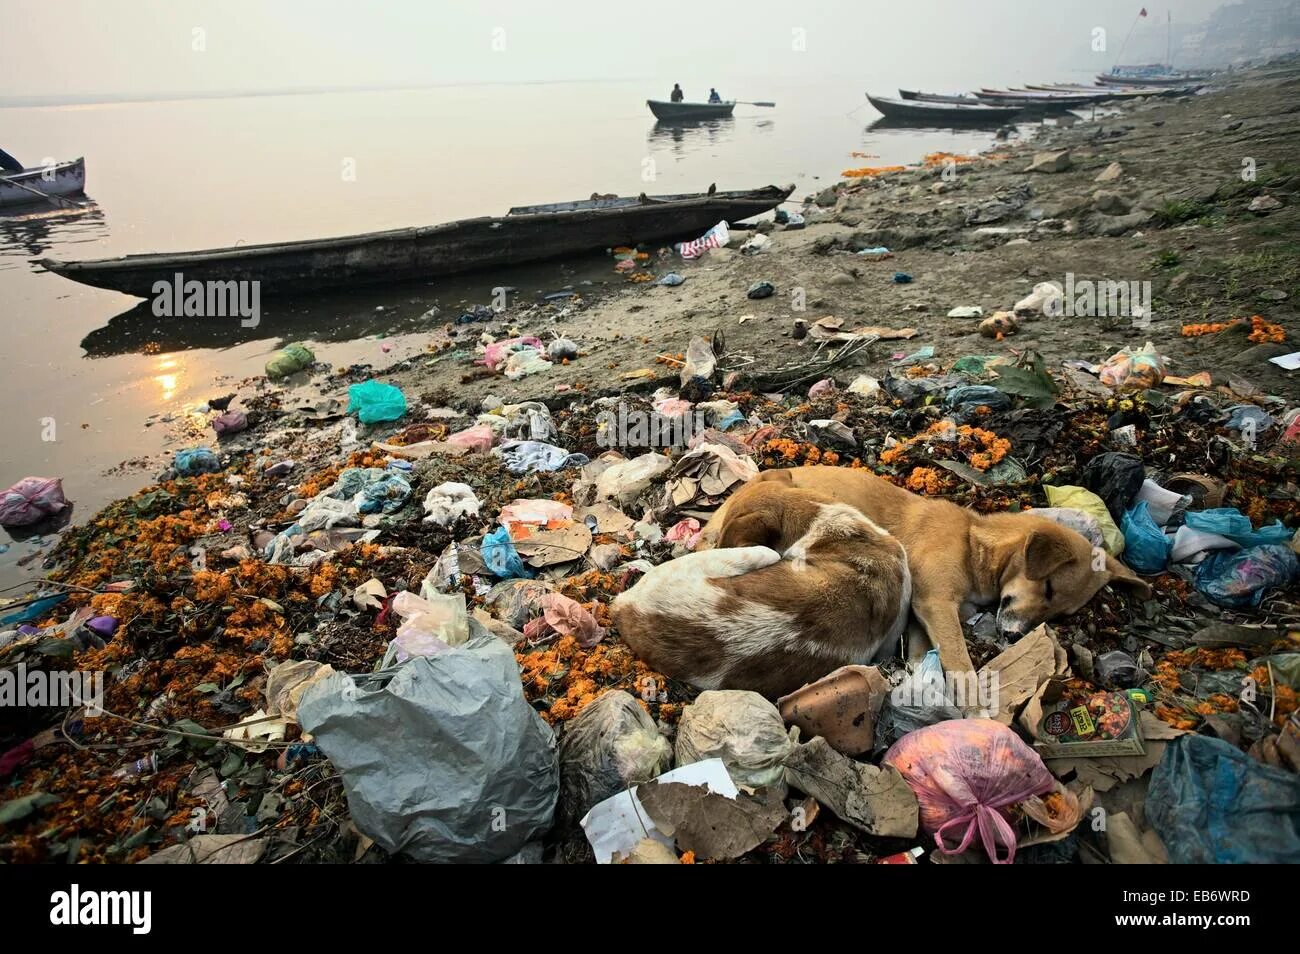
point(375, 401)
point(230, 422)
point(445, 761)
point(1116, 479)
point(1211, 803)
point(964, 404)
point(743, 729)
point(1079, 498)
point(1082, 523)
point(967, 774)
point(1133, 370)
point(627, 479)
point(501, 557)
point(290, 360)
point(611, 745)
point(1240, 578)
point(431, 624)
point(31, 500)
point(448, 502)
point(196, 460)
point(1146, 548)
point(478, 438)
point(1236, 526)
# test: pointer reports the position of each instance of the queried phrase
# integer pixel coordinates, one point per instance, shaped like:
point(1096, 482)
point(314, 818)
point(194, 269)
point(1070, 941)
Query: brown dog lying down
point(1030, 568)
point(801, 586)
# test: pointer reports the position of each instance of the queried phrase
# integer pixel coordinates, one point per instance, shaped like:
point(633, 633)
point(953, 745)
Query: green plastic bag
point(1083, 499)
point(291, 359)
point(374, 401)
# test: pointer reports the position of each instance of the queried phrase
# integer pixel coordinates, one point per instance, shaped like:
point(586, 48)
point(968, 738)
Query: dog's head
point(1054, 572)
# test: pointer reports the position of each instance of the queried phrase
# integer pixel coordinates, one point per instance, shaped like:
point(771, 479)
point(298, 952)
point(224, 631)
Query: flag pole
point(1126, 39)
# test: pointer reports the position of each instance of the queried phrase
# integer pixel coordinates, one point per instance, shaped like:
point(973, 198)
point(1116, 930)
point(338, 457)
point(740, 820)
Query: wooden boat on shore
point(1154, 79)
point(689, 112)
point(959, 99)
point(918, 111)
point(525, 234)
point(1027, 99)
point(60, 179)
point(1114, 92)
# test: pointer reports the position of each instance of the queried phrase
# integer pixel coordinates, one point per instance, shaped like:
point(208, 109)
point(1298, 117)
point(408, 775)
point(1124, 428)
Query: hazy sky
point(148, 46)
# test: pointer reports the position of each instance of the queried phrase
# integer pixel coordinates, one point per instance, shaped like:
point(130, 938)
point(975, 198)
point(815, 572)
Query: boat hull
point(60, 179)
point(917, 111)
point(688, 112)
point(417, 254)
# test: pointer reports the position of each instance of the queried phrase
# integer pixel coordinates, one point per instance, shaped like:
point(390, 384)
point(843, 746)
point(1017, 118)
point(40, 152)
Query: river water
point(100, 392)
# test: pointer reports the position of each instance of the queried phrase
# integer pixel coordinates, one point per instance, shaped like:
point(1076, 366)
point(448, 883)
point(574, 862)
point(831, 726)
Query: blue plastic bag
point(374, 401)
point(501, 557)
point(1211, 803)
point(1146, 548)
point(1239, 578)
point(196, 460)
point(388, 494)
point(1232, 523)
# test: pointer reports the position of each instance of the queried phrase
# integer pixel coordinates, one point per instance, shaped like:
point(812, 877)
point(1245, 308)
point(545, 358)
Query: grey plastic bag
point(447, 762)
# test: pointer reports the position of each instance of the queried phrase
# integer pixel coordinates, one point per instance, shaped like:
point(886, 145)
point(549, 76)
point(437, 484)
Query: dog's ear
point(754, 528)
point(1117, 572)
point(1045, 552)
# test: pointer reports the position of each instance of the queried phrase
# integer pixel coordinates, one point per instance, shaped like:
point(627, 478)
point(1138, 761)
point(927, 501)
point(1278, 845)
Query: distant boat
point(1113, 92)
point(918, 111)
point(669, 111)
point(526, 234)
point(60, 179)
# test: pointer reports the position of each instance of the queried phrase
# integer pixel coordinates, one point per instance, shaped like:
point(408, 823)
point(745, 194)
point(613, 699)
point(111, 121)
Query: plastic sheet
point(1211, 803)
point(290, 360)
point(1236, 526)
point(375, 401)
point(743, 729)
point(31, 500)
point(967, 774)
point(501, 557)
point(196, 460)
point(1146, 548)
point(1116, 479)
point(612, 744)
point(446, 762)
point(1240, 578)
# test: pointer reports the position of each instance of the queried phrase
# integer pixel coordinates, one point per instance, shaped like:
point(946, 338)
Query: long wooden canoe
point(526, 234)
point(689, 111)
point(1168, 79)
point(62, 178)
point(911, 110)
point(957, 99)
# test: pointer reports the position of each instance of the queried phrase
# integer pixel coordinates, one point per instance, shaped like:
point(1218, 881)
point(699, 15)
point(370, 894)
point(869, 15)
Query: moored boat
point(910, 110)
point(957, 98)
point(689, 111)
point(525, 234)
point(60, 179)
point(1167, 79)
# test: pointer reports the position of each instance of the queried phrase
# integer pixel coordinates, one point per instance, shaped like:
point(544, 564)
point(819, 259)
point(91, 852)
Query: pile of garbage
point(351, 632)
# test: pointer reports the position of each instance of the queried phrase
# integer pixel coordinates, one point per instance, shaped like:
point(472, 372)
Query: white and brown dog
point(1028, 568)
point(799, 586)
